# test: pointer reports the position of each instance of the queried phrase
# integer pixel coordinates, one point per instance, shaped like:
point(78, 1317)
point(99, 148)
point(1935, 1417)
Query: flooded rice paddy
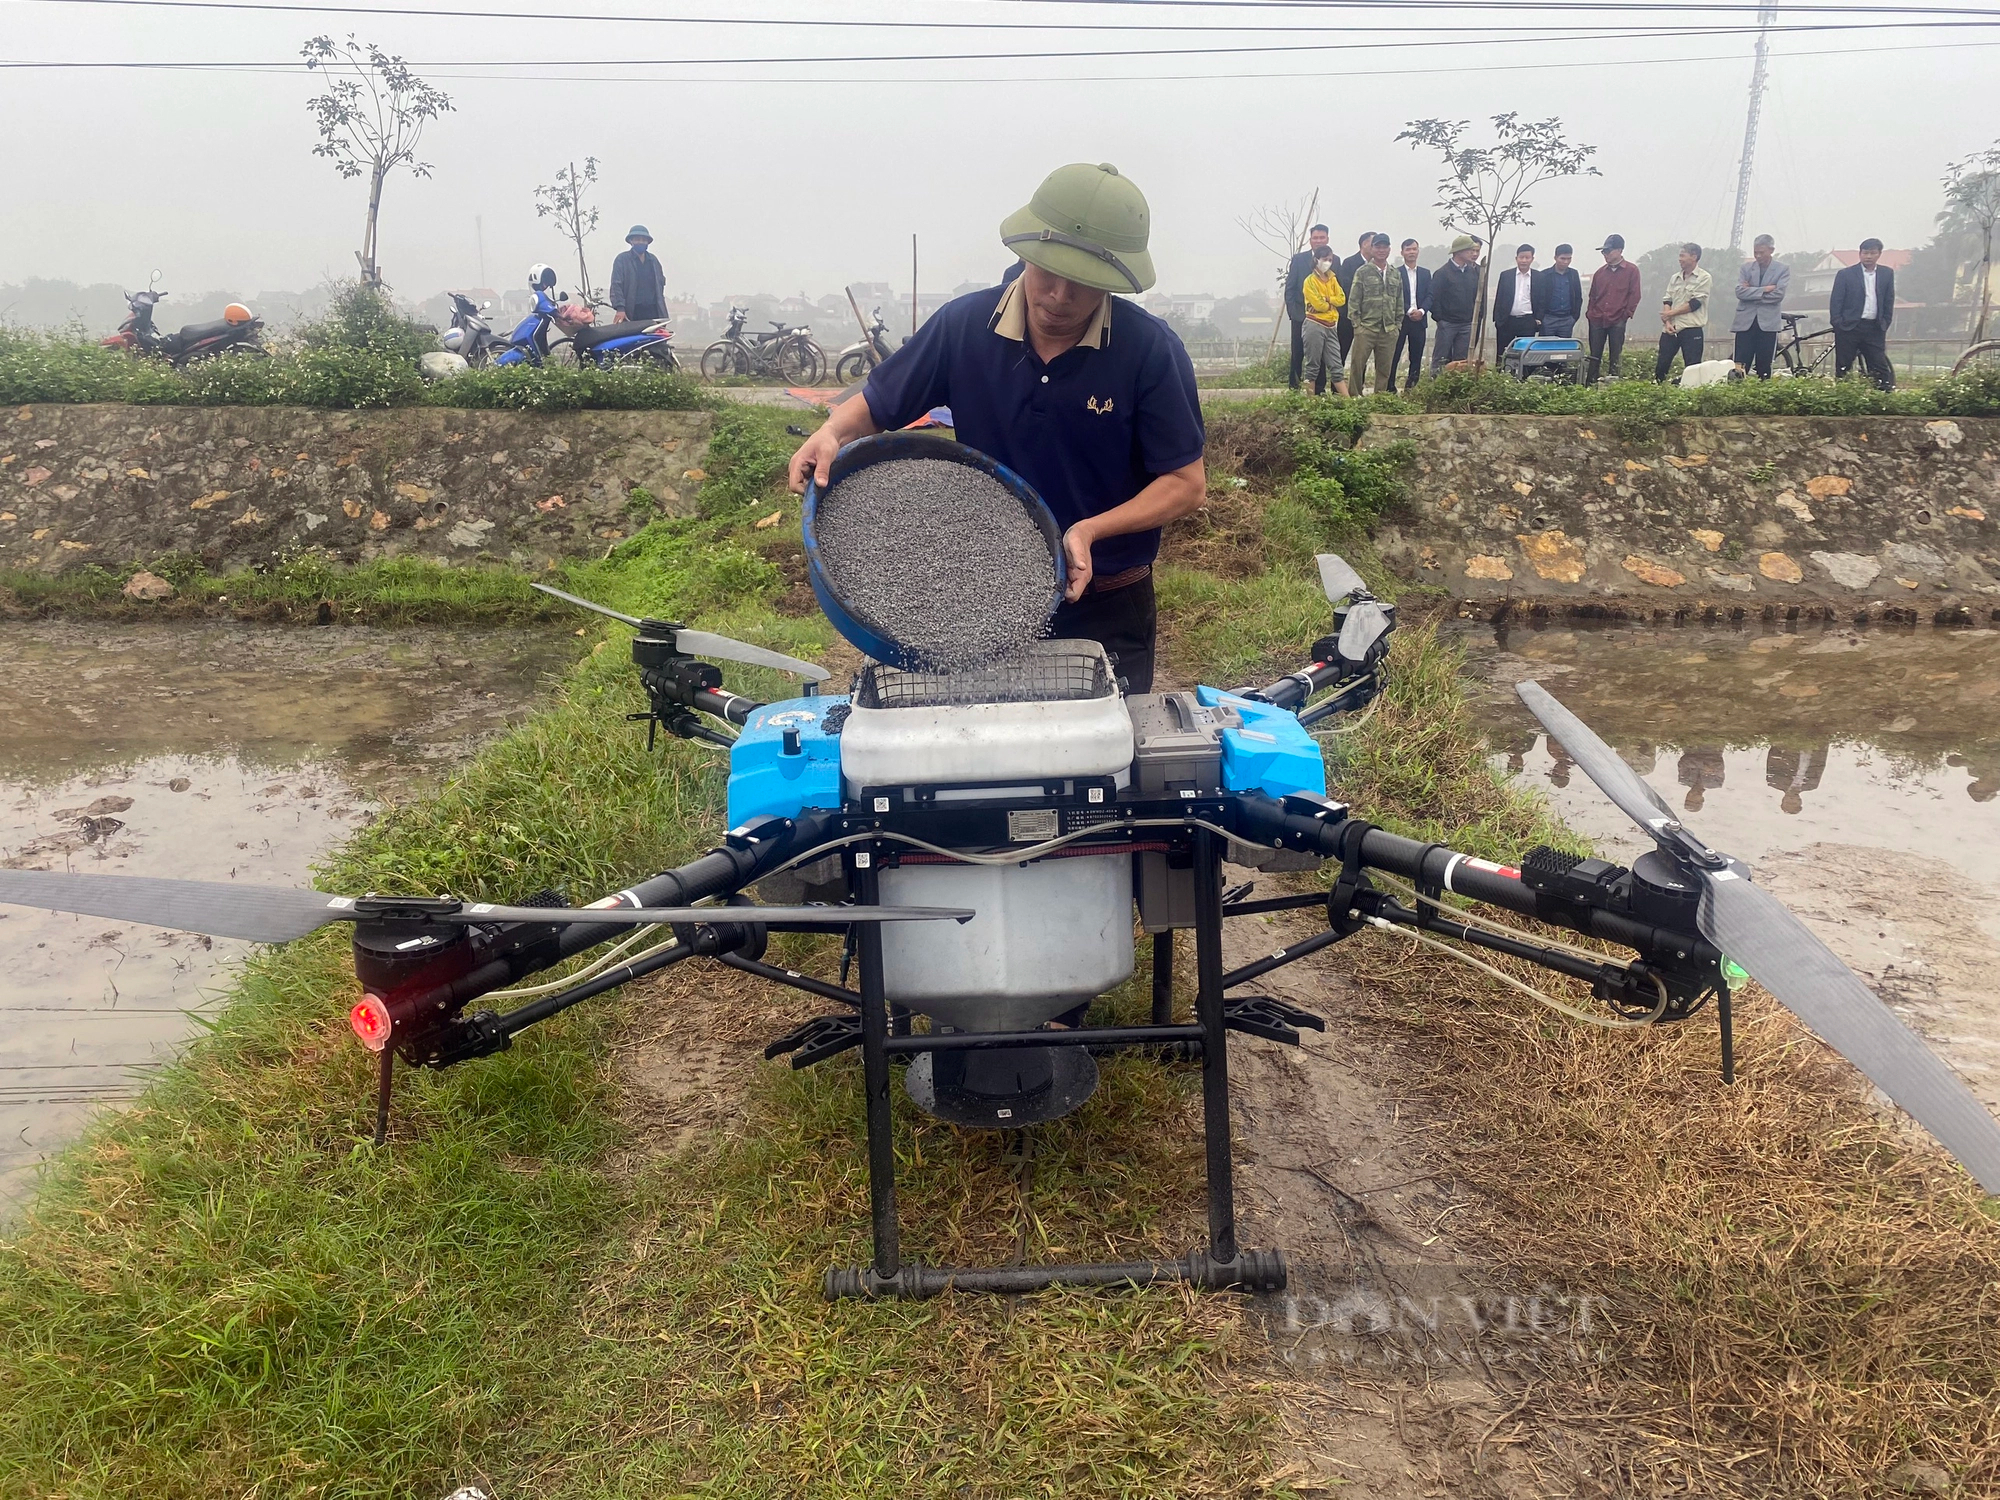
point(202, 752)
point(1855, 770)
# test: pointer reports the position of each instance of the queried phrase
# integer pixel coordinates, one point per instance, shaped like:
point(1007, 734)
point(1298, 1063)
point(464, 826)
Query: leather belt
point(1115, 581)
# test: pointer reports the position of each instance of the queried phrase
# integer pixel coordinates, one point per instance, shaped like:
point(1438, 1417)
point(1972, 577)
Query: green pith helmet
point(1088, 225)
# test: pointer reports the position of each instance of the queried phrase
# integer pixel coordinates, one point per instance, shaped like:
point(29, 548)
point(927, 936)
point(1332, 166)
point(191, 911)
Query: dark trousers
point(1868, 339)
point(1604, 336)
point(1297, 370)
point(1410, 336)
point(1685, 342)
point(1123, 621)
point(1755, 346)
point(1509, 328)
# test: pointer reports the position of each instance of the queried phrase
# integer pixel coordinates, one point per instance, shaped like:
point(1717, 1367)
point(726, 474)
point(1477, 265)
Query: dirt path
point(1387, 1376)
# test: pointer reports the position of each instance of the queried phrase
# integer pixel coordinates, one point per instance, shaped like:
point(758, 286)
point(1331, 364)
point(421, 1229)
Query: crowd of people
point(1348, 315)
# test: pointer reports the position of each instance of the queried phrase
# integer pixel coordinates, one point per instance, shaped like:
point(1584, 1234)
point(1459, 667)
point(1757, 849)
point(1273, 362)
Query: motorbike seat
point(195, 333)
point(604, 333)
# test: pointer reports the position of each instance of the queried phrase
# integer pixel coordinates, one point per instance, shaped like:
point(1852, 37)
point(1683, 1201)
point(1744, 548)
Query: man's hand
point(1076, 553)
point(814, 457)
point(1415, 312)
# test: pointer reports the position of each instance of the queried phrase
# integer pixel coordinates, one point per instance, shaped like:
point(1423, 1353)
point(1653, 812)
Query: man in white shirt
point(1863, 307)
point(1417, 319)
point(1517, 302)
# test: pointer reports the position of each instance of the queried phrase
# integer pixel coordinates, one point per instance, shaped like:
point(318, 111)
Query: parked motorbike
point(470, 336)
point(236, 332)
point(529, 344)
point(629, 341)
point(788, 352)
point(858, 358)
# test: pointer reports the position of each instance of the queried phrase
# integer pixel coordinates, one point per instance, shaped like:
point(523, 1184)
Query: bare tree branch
point(564, 201)
point(1972, 205)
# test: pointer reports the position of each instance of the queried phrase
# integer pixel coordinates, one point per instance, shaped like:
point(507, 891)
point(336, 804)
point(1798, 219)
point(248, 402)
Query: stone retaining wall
point(243, 486)
point(1889, 517)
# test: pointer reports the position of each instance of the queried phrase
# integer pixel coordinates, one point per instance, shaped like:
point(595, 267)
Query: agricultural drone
point(982, 838)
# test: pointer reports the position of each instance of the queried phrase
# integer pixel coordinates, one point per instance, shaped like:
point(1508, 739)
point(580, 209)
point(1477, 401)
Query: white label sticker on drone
point(1096, 794)
point(340, 903)
point(1004, 1114)
point(480, 906)
point(863, 860)
point(1721, 874)
point(881, 804)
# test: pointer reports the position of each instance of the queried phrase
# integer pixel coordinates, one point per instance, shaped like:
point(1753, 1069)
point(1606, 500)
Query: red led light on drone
point(370, 1020)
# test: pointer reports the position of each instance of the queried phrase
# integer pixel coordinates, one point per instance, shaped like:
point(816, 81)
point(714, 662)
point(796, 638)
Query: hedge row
point(36, 369)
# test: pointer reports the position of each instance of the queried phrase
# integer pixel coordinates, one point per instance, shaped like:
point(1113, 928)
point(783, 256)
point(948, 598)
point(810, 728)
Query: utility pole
point(1767, 12)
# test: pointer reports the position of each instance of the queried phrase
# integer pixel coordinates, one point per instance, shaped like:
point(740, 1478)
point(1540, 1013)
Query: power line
point(794, 23)
point(288, 69)
point(1264, 49)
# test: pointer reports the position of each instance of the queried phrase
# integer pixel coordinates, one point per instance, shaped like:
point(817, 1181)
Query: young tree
point(1487, 187)
point(1972, 206)
point(563, 201)
point(370, 119)
point(1281, 229)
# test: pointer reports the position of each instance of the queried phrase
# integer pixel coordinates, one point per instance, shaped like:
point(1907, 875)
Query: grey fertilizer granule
point(938, 557)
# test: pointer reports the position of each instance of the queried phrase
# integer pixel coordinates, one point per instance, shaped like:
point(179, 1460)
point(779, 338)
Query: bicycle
point(1804, 353)
point(1980, 356)
point(788, 352)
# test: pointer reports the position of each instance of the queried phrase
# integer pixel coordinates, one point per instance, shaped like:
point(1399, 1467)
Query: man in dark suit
point(1295, 299)
point(1863, 307)
point(1347, 280)
point(1416, 321)
point(1518, 296)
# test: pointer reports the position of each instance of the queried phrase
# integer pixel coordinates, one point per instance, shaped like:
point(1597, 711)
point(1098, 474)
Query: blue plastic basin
point(863, 633)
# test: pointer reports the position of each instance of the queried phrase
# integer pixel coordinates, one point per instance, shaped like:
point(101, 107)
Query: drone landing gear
point(1220, 1266)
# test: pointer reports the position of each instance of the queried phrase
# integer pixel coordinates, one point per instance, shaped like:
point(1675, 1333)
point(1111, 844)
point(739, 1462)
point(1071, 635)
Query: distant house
point(1816, 284)
point(1192, 307)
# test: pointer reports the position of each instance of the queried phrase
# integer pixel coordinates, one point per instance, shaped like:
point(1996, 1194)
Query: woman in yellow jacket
point(1324, 300)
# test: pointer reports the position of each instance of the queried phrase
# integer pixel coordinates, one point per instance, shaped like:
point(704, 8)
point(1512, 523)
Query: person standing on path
point(1347, 269)
point(1684, 314)
point(1614, 297)
point(638, 281)
point(1324, 300)
point(1516, 302)
point(1375, 313)
point(1295, 304)
point(1087, 396)
point(1863, 307)
point(1562, 300)
point(1760, 307)
point(1454, 297)
point(1416, 317)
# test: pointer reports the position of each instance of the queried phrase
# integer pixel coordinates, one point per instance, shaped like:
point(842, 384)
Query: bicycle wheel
point(801, 361)
point(1982, 356)
point(723, 357)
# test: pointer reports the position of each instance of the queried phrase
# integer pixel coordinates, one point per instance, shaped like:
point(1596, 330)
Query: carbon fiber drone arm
point(1673, 951)
point(423, 999)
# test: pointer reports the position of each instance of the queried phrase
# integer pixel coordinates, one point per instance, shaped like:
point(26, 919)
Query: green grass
point(225, 1290)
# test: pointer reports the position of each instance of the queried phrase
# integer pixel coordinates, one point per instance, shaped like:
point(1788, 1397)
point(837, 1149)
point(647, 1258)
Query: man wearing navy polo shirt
point(1086, 396)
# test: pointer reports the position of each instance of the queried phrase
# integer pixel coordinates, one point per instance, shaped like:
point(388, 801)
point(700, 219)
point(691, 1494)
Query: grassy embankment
point(226, 1290)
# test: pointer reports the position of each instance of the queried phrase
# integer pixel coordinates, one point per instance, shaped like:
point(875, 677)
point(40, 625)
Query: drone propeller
point(1759, 932)
point(267, 914)
point(703, 643)
point(1366, 623)
point(1337, 578)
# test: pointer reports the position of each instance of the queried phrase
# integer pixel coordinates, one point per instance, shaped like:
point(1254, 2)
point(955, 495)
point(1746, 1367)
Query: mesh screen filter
point(1070, 674)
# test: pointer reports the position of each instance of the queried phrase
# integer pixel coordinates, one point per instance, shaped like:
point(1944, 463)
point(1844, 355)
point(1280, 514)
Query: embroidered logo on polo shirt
point(1090, 403)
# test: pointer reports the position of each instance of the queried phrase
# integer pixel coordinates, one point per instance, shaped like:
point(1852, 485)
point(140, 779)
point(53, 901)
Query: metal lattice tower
point(1767, 12)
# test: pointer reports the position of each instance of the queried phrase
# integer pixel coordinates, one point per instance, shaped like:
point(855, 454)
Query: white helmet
point(541, 277)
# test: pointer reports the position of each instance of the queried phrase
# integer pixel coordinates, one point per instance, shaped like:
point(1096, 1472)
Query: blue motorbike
point(556, 327)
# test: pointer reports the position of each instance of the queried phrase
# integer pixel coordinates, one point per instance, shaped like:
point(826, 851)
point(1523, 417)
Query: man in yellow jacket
point(1324, 300)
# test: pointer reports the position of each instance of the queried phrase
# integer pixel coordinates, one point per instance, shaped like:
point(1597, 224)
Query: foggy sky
point(802, 186)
